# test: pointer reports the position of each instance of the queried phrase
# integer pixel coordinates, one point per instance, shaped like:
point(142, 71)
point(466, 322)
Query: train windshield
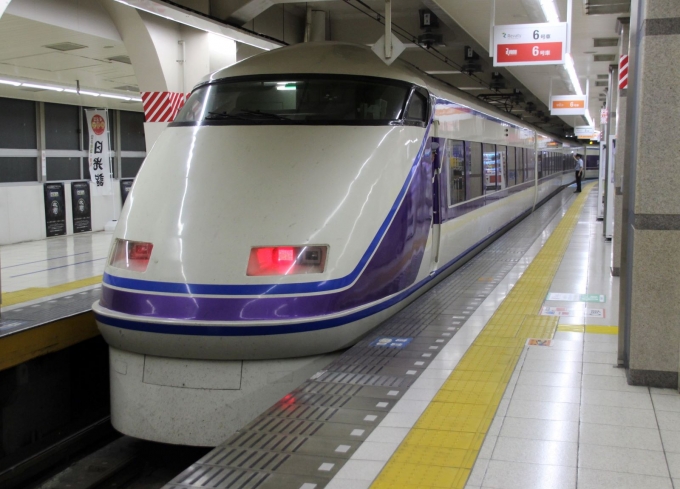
point(298, 100)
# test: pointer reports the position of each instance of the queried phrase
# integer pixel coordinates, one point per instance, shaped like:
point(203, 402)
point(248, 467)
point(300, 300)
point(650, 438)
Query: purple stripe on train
point(393, 268)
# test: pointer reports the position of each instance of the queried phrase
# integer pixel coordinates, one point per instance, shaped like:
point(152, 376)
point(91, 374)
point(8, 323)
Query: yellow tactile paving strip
point(443, 445)
point(33, 293)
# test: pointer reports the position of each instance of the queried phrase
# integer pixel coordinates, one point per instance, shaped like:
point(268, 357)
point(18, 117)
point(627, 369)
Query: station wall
point(33, 131)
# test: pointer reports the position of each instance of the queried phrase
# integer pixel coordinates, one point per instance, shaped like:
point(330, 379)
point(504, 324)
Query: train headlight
point(286, 260)
point(131, 255)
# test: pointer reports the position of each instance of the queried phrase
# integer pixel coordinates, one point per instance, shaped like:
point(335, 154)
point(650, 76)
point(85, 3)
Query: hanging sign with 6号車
point(529, 44)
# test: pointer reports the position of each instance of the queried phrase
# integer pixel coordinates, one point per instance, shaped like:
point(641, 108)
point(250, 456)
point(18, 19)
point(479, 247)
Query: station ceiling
point(28, 45)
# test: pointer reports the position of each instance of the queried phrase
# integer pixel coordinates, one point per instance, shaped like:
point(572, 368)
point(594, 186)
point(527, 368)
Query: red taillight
point(286, 260)
point(131, 255)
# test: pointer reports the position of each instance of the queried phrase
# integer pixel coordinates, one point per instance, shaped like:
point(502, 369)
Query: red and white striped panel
point(162, 106)
point(623, 72)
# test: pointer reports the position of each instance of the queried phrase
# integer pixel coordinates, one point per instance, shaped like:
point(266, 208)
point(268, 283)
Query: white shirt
point(578, 165)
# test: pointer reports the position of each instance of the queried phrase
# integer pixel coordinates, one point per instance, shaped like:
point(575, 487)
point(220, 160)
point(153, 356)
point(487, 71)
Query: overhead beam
point(249, 9)
point(200, 22)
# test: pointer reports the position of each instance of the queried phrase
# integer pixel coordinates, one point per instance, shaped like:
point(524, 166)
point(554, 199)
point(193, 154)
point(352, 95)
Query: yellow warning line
point(35, 342)
point(443, 445)
point(586, 328)
point(33, 293)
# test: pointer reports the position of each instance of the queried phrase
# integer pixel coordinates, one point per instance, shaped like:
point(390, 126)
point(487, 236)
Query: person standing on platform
point(578, 169)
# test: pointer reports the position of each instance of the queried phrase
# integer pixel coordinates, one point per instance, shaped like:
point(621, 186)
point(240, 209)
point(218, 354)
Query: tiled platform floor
point(568, 418)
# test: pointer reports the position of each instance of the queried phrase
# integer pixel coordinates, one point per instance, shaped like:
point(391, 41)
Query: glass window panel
point(474, 160)
point(489, 167)
point(63, 169)
point(530, 164)
point(130, 167)
point(501, 167)
point(132, 131)
point(18, 170)
point(512, 167)
point(301, 99)
point(17, 124)
point(61, 126)
point(454, 160)
point(417, 108)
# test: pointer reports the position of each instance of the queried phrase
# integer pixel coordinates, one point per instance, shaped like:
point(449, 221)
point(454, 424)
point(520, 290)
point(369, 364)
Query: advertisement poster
point(80, 201)
point(125, 187)
point(55, 209)
point(98, 151)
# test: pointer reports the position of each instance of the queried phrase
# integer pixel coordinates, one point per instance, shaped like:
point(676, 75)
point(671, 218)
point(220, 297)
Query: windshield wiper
point(223, 116)
point(267, 115)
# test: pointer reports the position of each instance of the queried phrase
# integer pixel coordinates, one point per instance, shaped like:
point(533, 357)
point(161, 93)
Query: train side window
point(417, 108)
point(530, 164)
point(474, 159)
point(490, 170)
point(519, 173)
point(454, 159)
point(512, 167)
point(501, 167)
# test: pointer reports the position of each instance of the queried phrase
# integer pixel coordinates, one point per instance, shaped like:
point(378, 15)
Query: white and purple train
point(300, 197)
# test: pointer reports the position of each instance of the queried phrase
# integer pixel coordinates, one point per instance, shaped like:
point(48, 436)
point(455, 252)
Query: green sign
point(565, 297)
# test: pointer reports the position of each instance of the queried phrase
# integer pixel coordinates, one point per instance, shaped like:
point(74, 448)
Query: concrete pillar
point(169, 59)
point(650, 252)
point(623, 29)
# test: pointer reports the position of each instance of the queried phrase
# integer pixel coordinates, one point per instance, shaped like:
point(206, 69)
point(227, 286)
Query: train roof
point(337, 58)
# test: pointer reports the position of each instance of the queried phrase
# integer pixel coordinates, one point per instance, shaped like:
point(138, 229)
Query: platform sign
point(557, 311)
point(529, 44)
point(566, 297)
point(585, 132)
point(55, 209)
point(80, 203)
point(595, 313)
point(568, 105)
point(391, 342)
point(125, 187)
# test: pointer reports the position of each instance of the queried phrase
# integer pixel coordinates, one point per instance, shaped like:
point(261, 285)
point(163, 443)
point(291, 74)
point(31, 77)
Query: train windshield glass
point(295, 101)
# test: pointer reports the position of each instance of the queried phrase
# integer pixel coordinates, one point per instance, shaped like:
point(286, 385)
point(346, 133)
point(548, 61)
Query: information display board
point(55, 209)
point(80, 202)
point(568, 105)
point(125, 187)
point(529, 44)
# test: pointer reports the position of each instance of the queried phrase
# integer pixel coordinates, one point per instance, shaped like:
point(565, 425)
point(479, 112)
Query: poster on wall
point(98, 151)
point(55, 209)
point(125, 187)
point(80, 201)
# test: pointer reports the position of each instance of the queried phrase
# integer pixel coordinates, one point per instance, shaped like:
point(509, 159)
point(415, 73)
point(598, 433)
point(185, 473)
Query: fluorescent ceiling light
point(573, 77)
point(472, 88)
point(550, 11)
point(108, 95)
point(42, 87)
point(443, 72)
point(68, 90)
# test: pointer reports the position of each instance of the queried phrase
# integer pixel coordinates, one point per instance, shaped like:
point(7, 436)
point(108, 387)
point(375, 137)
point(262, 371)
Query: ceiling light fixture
point(550, 11)
point(17, 83)
point(42, 87)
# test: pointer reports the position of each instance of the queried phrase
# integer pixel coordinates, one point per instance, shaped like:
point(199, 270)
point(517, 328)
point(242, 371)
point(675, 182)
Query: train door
point(437, 148)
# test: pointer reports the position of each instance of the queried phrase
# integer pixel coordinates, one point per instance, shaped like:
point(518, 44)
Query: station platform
point(504, 376)
point(48, 288)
